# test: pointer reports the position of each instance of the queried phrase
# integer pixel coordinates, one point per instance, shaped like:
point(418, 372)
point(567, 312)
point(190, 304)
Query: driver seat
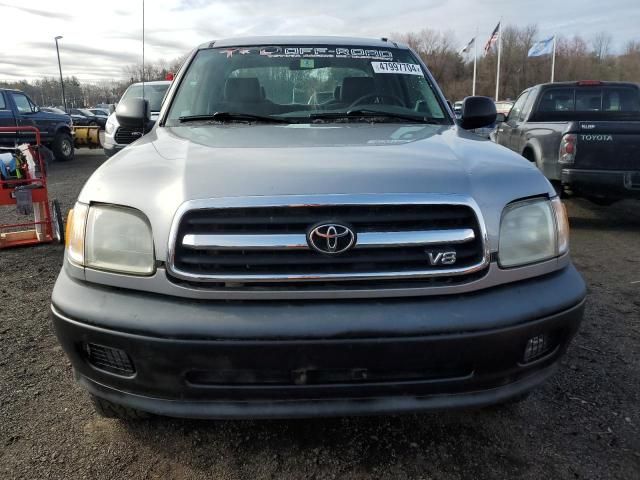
point(354, 88)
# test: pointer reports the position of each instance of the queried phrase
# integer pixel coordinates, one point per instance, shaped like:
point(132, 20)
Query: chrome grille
point(266, 243)
point(126, 136)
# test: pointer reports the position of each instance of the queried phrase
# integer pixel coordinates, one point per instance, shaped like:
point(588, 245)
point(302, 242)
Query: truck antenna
point(143, 97)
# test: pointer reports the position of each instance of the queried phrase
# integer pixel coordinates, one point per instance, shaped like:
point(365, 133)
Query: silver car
point(258, 256)
point(117, 137)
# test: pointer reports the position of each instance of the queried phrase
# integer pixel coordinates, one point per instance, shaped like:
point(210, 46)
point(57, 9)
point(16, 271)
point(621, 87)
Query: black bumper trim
point(383, 405)
point(601, 182)
point(160, 385)
point(165, 316)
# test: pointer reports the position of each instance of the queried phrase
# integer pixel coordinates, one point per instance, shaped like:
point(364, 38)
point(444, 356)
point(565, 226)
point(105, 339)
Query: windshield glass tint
point(591, 99)
point(153, 93)
point(293, 83)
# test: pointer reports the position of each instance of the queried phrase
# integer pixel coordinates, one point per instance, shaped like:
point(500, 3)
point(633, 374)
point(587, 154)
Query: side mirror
point(501, 117)
point(477, 112)
point(112, 108)
point(133, 113)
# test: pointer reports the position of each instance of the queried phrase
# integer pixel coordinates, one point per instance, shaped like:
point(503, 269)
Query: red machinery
point(29, 189)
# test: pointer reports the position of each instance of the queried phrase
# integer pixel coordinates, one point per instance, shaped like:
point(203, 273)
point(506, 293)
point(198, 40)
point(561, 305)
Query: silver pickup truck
point(266, 251)
point(584, 136)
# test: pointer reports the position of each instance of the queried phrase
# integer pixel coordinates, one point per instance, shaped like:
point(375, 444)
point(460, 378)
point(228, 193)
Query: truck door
point(519, 133)
point(508, 131)
point(26, 115)
point(6, 120)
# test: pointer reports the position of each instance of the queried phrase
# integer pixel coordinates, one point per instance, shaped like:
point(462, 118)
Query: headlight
point(532, 231)
point(112, 238)
point(111, 125)
point(74, 234)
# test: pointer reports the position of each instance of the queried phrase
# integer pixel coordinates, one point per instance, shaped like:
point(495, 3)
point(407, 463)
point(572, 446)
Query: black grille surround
point(125, 136)
point(398, 266)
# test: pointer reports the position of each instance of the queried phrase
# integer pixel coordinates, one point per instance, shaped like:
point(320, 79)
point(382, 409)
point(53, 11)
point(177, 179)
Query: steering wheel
point(396, 100)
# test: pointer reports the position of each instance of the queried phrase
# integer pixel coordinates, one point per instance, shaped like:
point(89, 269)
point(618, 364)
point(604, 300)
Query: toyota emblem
point(331, 238)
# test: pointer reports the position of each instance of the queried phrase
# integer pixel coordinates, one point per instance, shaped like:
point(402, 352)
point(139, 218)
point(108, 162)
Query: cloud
point(86, 51)
point(39, 12)
point(96, 47)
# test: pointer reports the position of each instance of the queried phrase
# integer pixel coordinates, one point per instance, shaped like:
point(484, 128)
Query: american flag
point(493, 39)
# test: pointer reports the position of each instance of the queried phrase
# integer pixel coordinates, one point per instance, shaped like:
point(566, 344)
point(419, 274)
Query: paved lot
point(583, 424)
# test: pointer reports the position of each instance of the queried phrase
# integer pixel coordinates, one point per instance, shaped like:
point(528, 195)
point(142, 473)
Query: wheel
point(57, 223)
point(92, 124)
point(108, 409)
point(63, 147)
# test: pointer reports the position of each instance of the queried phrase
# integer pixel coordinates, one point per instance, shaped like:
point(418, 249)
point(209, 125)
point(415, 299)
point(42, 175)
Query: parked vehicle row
point(85, 117)
point(17, 109)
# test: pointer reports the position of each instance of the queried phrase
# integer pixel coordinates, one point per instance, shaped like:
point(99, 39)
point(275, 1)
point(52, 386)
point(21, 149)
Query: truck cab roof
point(301, 40)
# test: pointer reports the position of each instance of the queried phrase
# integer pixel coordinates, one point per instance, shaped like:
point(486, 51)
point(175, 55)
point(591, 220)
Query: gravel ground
point(582, 424)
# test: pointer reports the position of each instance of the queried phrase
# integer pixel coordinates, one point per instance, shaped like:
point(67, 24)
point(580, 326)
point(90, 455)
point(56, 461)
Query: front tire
point(108, 409)
point(63, 147)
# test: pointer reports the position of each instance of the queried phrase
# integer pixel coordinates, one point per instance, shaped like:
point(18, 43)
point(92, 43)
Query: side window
point(22, 103)
point(526, 110)
point(557, 100)
point(3, 105)
point(515, 112)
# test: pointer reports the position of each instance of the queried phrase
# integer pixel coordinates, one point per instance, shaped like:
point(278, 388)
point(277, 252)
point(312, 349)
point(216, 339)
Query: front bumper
point(110, 149)
point(318, 358)
point(615, 184)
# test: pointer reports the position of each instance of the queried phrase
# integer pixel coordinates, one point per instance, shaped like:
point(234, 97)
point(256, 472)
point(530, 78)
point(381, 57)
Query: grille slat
point(126, 135)
point(224, 258)
point(213, 264)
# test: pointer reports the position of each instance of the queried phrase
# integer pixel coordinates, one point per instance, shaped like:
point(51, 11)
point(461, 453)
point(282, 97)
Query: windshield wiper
point(231, 116)
point(369, 113)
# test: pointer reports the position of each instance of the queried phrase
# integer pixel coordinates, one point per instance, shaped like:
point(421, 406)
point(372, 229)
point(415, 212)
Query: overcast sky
point(100, 37)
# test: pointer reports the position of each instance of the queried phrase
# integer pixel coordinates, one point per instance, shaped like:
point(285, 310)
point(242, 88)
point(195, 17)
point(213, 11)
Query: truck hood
point(171, 165)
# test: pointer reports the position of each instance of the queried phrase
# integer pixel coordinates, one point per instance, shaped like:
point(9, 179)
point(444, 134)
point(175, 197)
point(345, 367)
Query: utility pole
point(553, 60)
point(475, 62)
point(64, 100)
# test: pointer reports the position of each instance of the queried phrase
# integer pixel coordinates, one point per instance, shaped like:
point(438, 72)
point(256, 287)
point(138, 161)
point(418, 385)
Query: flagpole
point(553, 60)
point(475, 61)
point(499, 55)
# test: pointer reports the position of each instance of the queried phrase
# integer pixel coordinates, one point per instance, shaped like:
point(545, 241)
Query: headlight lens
point(532, 231)
point(74, 234)
point(110, 126)
point(119, 239)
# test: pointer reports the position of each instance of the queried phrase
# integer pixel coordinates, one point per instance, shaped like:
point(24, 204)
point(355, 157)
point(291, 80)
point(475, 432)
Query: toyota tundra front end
point(307, 231)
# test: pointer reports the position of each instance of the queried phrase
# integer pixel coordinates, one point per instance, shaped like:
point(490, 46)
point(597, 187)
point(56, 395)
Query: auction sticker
point(397, 67)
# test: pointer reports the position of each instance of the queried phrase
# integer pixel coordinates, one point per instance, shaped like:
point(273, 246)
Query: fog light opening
point(109, 359)
point(536, 347)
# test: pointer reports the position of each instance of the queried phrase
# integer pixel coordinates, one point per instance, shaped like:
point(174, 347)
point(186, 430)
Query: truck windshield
point(154, 93)
point(301, 84)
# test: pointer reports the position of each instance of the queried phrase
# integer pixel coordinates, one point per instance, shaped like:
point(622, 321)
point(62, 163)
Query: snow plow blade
point(86, 137)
